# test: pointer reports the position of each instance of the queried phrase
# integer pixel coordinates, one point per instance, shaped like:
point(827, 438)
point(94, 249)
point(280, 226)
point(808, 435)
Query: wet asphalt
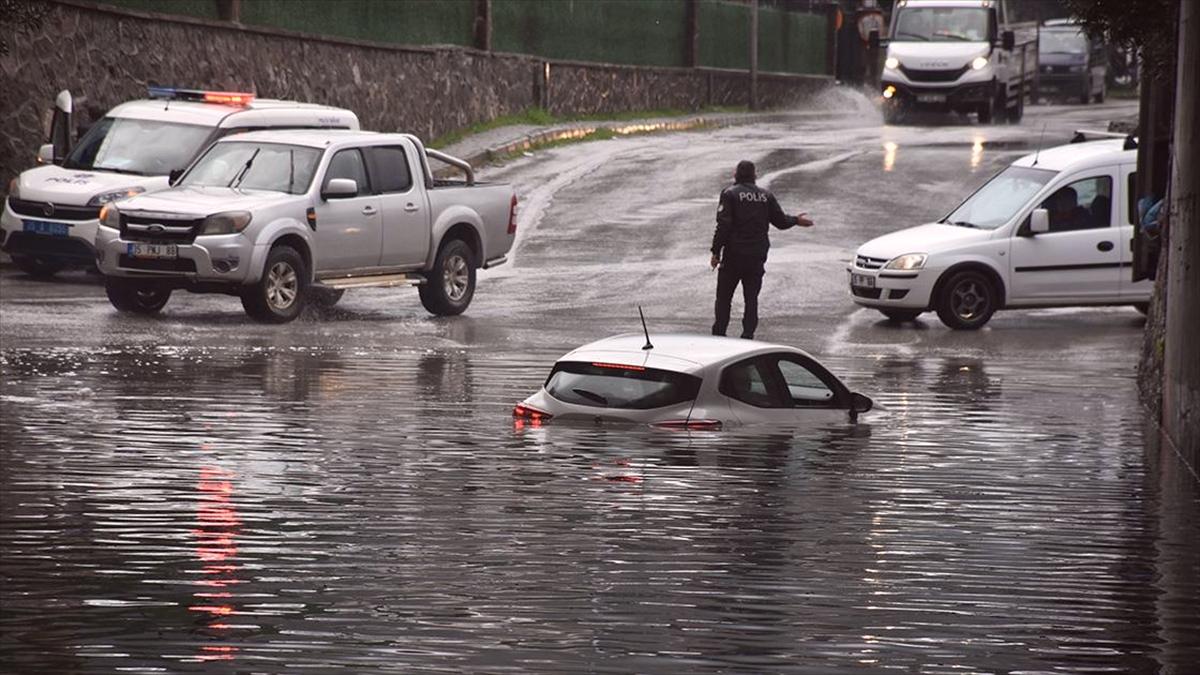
point(349, 490)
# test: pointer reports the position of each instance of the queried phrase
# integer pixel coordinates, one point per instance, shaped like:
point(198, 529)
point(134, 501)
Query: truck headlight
point(908, 261)
point(110, 216)
point(891, 63)
point(106, 197)
point(979, 63)
point(229, 222)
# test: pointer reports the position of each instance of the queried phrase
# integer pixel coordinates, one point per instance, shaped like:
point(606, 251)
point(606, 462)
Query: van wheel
point(42, 268)
point(451, 284)
point(135, 297)
point(901, 314)
point(280, 294)
point(967, 300)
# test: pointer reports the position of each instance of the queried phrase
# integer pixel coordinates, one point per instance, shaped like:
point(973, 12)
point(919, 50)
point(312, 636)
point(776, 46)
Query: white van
point(1054, 229)
point(51, 214)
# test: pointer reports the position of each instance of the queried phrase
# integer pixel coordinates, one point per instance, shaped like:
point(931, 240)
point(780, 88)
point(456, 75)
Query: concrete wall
point(106, 56)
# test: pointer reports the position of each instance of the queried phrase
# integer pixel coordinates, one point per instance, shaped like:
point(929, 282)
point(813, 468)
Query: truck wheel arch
point(990, 272)
point(300, 244)
point(469, 234)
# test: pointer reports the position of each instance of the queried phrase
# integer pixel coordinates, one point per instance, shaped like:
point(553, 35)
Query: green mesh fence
point(641, 32)
point(414, 22)
point(204, 9)
point(788, 42)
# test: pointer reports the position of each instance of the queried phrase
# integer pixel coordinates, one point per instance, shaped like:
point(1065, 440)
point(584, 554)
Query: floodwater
point(350, 491)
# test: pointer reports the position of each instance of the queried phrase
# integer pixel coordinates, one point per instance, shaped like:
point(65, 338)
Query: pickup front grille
point(863, 262)
point(26, 207)
point(156, 230)
point(918, 75)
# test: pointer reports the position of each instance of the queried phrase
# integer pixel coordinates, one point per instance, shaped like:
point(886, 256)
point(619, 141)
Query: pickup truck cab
point(1054, 229)
point(50, 216)
point(279, 217)
point(957, 55)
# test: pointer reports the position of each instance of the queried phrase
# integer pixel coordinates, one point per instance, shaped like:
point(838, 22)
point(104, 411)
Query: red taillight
point(617, 366)
point(512, 216)
point(689, 425)
point(527, 412)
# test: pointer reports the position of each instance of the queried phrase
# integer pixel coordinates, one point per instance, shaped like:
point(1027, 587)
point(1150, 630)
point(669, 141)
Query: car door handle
point(369, 211)
point(1105, 246)
point(410, 207)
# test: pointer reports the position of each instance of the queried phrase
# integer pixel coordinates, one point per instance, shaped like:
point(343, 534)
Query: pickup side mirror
point(340, 188)
point(873, 40)
point(46, 154)
point(1008, 41)
point(1039, 221)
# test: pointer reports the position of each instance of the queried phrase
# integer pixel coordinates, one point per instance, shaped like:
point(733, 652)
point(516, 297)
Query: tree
point(17, 16)
point(1148, 25)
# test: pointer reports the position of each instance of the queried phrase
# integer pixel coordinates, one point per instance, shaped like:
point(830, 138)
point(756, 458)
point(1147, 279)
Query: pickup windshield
point(1000, 198)
point(255, 166)
point(140, 147)
point(942, 24)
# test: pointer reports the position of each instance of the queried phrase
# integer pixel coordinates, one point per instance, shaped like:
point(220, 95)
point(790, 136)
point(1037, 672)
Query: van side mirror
point(46, 154)
point(174, 176)
point(873, 40)
point(1008, 41)
point(1039, 221)
point(340, 188)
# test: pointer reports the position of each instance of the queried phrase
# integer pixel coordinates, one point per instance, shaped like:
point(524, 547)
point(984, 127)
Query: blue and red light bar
point(201, 96)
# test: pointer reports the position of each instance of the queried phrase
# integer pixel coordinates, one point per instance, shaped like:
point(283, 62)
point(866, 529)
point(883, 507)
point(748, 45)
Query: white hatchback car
point(694, 382)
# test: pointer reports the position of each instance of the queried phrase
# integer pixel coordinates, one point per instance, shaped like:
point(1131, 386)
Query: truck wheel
point(42, 268)
point(135, 297)
point(280, 294)
point(451, 284)
point(891, 113)
point(1017, 111)
point(987, 111)
point(967, 300)
point(900, 315)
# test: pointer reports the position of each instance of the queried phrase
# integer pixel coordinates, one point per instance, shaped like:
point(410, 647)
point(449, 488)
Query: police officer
point(740, 244)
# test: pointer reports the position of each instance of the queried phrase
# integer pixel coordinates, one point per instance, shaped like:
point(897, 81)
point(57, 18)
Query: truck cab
point(51, 213)
point(956, 55)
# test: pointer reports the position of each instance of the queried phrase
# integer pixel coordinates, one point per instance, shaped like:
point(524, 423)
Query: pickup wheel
point(135, 297)
point(451, 284)
point(967, 300)
point(280, 294)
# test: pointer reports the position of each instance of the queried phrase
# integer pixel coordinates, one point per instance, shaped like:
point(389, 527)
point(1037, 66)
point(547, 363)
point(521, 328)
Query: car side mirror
point(1008, 40)
point(861, 403)
point(174, 176)
point(46, 154)
point(1039, 221)
point(340, 188)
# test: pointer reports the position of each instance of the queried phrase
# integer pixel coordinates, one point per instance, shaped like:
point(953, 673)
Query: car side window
point(390, 169)
point(349, 164)
point(750, 382)
point(805, 388)
point(1082, 205)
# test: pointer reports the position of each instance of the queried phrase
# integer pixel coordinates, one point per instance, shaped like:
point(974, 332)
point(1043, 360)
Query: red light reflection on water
point(217, 527)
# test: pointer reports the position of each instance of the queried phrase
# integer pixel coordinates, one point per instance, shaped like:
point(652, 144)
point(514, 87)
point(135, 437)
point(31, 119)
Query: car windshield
point(607, 385)
point(141, 147)
point(942, 24)
point(255, 166)
point(1000, 198)
point(1070, 41)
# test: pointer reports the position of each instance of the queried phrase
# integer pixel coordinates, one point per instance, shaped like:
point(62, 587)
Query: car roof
point(679, 352)
point(1074, 156)
point(317, 138)
point(220, 114)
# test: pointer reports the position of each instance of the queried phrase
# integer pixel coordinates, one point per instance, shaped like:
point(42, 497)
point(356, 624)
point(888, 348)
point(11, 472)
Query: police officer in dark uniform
point(740, 244)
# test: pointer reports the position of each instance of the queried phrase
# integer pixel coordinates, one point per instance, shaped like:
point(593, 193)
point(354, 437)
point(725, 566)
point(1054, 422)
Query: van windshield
point(1000, 198)
point(140, 147)
point(942, 24)
point(255, 166)
point(1070, 41)
point(608, 385)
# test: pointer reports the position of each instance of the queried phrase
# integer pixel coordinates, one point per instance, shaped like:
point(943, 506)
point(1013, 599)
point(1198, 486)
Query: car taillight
point(527, 412)
point(512, 216)
point(689, 425)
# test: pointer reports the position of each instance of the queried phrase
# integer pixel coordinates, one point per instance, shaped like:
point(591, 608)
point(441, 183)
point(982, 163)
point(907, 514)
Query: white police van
point(51, 213)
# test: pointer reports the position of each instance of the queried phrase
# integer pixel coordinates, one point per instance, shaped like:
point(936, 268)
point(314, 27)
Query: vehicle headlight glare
point(112, 196)
point(110, 216)
point(908, 261)
point(979, 62)
point(891, 63)
point(229, 222)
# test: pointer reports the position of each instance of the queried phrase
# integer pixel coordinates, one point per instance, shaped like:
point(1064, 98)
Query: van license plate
point(931, 98)
point(862, 281)
point(153, 250)
point(46, 227)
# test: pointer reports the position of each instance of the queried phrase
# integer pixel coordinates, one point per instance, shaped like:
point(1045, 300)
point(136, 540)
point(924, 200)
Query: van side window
point(390, 169)
point(1083, 205)
point(349, 164)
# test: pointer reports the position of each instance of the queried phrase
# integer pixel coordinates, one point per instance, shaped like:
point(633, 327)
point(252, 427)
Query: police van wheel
point(134, 296)
point(900, 315)
point(280, 294)
point(451, 284)
point(41, 268)
point(968, 300)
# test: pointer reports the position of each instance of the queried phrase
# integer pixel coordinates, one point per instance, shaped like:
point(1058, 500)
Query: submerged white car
point(694, 382)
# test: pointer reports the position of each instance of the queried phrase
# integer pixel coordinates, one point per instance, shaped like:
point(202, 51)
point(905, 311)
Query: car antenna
point(645, 330)
point(1039, 147)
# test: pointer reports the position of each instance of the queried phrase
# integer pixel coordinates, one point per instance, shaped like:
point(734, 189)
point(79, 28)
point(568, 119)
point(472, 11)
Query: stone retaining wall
point(105, 56)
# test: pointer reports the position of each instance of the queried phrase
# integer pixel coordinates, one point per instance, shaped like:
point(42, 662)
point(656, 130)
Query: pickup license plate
point(862, 280)
point(931, 98)
point(46, 227)
point(153, 250)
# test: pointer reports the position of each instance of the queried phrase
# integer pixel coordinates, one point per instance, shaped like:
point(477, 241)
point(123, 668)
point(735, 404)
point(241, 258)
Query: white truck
point(957, 55)
point(281, 217)
point(50, 216)
point(1054, 229)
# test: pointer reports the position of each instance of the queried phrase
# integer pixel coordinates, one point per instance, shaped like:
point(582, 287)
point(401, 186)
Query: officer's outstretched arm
point(778, 218)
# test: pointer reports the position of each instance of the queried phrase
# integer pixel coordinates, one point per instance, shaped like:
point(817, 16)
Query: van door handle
point(410, 207)
point(369, 211)
point(1105, 246)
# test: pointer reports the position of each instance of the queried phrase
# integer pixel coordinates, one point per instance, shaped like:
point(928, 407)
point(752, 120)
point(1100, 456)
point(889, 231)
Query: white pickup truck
point(281, 217)
point(1054, 229)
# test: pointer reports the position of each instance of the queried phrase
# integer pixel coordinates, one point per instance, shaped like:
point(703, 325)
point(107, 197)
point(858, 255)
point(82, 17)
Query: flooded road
point(350, 492)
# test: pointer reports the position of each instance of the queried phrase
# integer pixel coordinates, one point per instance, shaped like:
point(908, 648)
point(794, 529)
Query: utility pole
point(483, 25)
point(754, 54)
point(691, 42)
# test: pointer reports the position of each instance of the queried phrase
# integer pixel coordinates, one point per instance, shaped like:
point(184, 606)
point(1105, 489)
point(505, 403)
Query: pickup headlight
point(110, 216)
point(106, 197)
point(891, 63)
point(229, 222)
point(979, 63)
point(908, 261)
